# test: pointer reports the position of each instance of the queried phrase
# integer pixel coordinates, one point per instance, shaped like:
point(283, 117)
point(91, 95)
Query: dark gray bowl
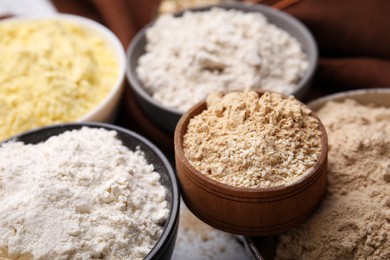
point(166, 118)
point(165, 245)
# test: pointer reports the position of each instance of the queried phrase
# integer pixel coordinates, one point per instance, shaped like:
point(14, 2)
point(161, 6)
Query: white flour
point(197, 240)
point(79, 195)
point(190, 56)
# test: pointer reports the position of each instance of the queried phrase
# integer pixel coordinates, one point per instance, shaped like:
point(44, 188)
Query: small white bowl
point(107, 109)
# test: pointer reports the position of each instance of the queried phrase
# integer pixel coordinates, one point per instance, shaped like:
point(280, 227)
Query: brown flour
point(353, 222)
point(245, 140)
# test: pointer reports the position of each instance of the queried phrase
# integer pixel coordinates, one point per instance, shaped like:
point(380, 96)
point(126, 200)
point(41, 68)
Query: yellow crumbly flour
point(51, 71)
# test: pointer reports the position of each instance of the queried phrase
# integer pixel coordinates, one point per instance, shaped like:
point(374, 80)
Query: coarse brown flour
point(79, 195)
point(249, 140)
point(353, 221)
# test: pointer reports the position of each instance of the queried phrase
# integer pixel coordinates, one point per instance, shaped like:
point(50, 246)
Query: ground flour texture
point(353, 222)
point(196, 240)
point(51, 71)
point(79, 195)
point(245, 140)
point(191, 56)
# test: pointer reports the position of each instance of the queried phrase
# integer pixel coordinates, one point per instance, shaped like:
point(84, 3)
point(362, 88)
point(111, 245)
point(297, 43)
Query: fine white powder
point(79, 195)
point(218, 50)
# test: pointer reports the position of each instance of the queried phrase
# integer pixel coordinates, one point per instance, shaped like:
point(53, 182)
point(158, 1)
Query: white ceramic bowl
point(106, 110)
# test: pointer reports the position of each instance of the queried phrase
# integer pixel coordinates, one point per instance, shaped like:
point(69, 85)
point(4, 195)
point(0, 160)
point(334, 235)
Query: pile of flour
point(353, 221)
point(247, 140)
point(79, 195)
point(218, 50)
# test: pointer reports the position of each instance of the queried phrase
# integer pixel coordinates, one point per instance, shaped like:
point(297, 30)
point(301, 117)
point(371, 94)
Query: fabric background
point(353, 37)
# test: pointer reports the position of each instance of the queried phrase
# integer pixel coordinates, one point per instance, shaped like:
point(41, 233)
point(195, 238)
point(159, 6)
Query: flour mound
point(79, 195)
point(353, 221)
point(190, 56)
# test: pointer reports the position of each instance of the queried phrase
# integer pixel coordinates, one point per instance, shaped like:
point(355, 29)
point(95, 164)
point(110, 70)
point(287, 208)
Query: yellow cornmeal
point(50, 72)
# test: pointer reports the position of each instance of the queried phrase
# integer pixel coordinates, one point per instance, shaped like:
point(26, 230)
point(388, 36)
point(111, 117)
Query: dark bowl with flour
point(163, 249)
point(167, 118)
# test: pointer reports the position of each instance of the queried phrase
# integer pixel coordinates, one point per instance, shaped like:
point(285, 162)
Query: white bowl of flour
point(86, 191)
point(177, 60)
point(58, 68)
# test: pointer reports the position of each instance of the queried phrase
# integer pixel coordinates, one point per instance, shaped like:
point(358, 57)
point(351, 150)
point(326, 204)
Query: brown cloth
point(123, 17)
point(353, 37)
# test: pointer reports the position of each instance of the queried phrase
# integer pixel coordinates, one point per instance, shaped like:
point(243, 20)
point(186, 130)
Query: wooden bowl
point(248, 211)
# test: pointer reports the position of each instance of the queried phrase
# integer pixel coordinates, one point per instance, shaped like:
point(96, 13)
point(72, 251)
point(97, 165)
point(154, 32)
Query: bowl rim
point(138, 87)
point(352, 94)
point(267, 192)
point(173, 218)
point(98, 29)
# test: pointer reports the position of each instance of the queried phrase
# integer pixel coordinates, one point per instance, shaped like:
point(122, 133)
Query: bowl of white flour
point(86, 191)
point(178, 59)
